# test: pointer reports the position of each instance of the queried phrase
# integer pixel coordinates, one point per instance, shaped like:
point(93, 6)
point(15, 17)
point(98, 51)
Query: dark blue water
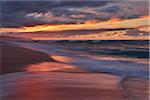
point(130, 48)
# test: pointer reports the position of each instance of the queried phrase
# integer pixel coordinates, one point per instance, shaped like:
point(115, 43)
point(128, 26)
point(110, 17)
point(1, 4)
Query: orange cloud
point(90, 24)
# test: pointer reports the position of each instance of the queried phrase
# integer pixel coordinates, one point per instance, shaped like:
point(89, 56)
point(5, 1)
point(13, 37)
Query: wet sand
point(15, 58)
point(61, 86)
point(135, 88)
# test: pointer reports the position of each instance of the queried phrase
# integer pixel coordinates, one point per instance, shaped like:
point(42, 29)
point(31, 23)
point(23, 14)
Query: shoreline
point(63, 77)
point(63, 56)
point(134, 87)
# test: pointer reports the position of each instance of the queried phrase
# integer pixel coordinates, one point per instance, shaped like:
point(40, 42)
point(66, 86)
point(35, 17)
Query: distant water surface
point(131, 48)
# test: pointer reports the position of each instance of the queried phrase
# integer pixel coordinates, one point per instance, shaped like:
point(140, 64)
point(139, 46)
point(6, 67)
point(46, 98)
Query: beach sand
point(61, 86)
point(15, 58)
point(135, 88)
point(43, 78)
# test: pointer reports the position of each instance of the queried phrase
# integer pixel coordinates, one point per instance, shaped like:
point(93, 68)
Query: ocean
point(129, 58)
point(124, 57)
point(132, 49)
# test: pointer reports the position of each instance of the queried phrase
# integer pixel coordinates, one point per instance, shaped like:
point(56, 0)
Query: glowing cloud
point(90, 24)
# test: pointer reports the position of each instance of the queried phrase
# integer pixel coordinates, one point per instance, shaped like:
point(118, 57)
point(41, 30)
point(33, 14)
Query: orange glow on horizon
point(90, 24)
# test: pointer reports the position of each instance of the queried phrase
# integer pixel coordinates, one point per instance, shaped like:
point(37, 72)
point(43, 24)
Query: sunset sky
point(59, 19)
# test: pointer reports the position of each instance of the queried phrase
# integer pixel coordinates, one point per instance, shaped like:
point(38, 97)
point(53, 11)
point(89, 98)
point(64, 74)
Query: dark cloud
point(43, 6)
point(112, 9)
point(13, 12)
point(24, 13)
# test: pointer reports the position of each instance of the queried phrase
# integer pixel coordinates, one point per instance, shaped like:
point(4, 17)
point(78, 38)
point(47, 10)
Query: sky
point(60, 16)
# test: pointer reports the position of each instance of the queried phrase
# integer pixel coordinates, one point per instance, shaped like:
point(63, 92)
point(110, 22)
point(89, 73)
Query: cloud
point(88, 25)
point(48, 17)
point(13, 13)
point(28, 13)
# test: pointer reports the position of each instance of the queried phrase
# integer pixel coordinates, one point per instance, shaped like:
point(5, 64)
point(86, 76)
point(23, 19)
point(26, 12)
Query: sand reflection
point(62, 86)
point(48, 66)
point(62, 58)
